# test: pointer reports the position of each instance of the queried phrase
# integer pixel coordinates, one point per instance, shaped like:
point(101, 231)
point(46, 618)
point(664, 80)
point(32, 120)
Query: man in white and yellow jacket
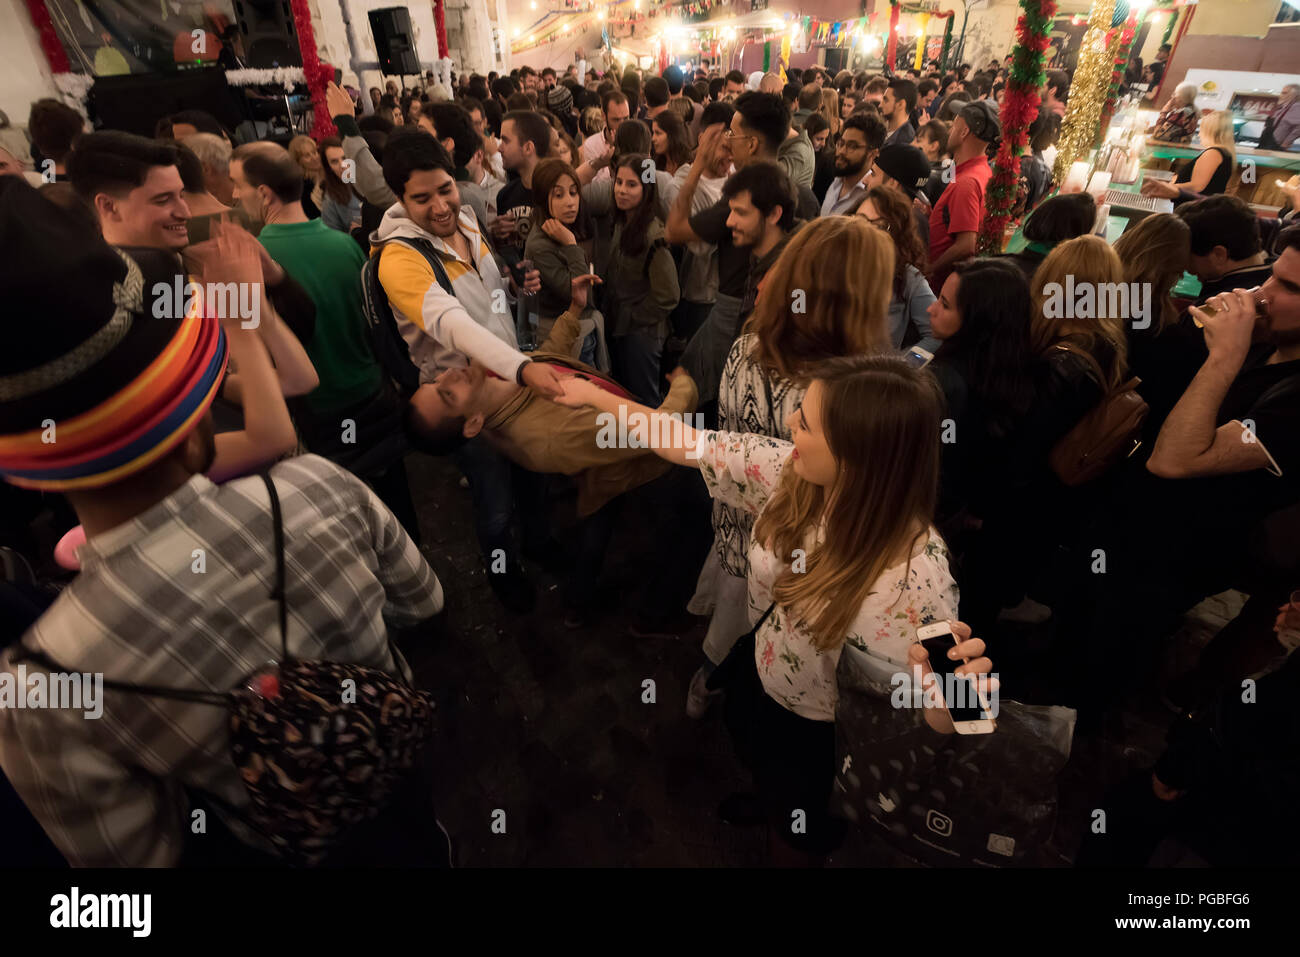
point(445, 330)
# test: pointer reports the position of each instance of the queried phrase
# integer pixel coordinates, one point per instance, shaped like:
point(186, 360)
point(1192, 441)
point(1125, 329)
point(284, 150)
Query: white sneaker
point(700, 697)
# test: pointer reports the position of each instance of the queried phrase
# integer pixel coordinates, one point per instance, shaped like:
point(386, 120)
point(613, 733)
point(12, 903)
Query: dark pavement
point(553, 726)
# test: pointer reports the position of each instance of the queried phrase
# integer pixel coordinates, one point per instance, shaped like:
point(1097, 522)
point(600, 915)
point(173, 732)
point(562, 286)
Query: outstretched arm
point(643, 427)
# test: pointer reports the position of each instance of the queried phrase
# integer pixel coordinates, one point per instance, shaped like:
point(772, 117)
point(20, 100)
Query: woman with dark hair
point(559, 241)
point(341, 206)
point(1075, 361)
point(909, 309)
point(1052, 223)
point(640, 280)
point(670, 142)
point(632, 136)
point(671, 146)
point(819, 134)
point(983, 364)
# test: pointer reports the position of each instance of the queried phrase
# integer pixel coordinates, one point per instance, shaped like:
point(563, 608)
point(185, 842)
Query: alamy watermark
point(76, 691)
point(221, 300)
point(950, 690)
point(661, 430)
point(1130, 301)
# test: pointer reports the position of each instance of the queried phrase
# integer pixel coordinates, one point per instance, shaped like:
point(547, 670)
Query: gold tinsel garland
point(1088, 90)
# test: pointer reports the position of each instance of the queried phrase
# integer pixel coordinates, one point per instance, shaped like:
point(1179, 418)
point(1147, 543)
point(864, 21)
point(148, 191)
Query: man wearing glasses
point(860, 139)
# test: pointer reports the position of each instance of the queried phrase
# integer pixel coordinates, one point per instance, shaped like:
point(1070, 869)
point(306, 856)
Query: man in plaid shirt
point(179, 595)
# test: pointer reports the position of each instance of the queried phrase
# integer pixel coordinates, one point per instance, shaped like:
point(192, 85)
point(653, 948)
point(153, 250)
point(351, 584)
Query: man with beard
point(860, 140)
point(761, 219)
point(759, 126)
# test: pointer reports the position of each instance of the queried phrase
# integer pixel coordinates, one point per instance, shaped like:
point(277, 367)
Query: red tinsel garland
point(318, 74)
point(50, 42)
point(1020, 103)
point(440, 27)
point(891, 49)
point(1122, 51)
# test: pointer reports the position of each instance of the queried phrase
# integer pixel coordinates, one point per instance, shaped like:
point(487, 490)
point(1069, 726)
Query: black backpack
point(385, 338)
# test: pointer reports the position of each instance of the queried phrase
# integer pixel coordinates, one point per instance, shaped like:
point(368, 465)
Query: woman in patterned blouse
point(840, 267)
point(843, 549)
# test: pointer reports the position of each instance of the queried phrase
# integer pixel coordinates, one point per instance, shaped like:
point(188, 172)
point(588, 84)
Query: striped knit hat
point(93, 387)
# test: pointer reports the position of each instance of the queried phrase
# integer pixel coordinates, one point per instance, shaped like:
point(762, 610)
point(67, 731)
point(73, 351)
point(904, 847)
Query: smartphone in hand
point(967, 706)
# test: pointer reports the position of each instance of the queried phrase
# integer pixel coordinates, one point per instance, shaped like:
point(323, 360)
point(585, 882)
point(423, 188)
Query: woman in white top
point(842, 550)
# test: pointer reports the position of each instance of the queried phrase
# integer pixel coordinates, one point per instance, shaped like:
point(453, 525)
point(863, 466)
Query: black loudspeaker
point(267, 30)
point(837, 58)
point(394, 41)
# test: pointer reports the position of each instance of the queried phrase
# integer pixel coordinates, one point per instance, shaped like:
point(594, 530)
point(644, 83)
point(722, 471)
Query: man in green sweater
point(351, 418)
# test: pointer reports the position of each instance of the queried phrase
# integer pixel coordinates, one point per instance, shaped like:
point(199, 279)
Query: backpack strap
point(431, 256)
point(277, 530)
point(655, 246)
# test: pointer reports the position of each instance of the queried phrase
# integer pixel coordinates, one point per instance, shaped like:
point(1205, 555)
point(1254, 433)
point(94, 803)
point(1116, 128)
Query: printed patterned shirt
point(150, 608)
point(750, 399)
point(742, 470)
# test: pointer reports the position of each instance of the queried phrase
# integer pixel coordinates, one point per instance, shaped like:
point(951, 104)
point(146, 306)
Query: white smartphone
point(919, 357)
point(967, 706)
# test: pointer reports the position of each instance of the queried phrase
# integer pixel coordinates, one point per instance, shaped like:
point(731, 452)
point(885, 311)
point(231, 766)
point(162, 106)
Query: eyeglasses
point(849, 146)
point(731, 134)
point(881, 224)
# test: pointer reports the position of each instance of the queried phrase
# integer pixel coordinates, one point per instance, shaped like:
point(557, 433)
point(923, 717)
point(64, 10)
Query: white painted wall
point(24, 71)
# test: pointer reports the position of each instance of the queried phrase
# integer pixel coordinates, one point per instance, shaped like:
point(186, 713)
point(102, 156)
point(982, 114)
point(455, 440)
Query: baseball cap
point(981, 117)
point(907, 165)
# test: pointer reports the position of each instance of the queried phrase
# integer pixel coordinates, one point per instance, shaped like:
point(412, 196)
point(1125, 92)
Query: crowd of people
point(894, 431)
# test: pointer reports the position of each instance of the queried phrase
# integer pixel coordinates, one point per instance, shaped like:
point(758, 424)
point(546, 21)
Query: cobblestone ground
point(549, 725)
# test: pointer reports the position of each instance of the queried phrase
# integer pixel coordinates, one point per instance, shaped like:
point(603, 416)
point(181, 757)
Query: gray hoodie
point(798, 160)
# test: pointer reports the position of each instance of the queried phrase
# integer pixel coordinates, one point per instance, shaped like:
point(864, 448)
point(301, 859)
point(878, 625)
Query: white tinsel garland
point(286, 76)
point(73, 89)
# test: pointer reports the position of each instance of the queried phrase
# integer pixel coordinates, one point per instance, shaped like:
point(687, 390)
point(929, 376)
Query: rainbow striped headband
point(133, 428)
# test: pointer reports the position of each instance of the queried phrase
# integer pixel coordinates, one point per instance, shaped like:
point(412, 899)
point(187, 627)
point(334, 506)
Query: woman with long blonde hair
point(1156, 251)
point(827, 295)
point(1163, 352)
point(304, 152)
point(1210, 172)
point(843, 550)
point(830, 110)
point(1089, 327)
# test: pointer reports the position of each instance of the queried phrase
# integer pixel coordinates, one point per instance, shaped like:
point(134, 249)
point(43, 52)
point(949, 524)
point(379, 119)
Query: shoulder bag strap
point(277, 531)
point(1087, 357)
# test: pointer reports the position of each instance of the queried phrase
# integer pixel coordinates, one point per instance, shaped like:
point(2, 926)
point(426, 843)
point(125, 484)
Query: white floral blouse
point(742, 469)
